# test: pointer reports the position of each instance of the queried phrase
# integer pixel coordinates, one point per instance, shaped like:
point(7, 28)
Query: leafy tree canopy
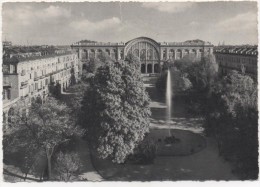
point(117, 109)
point(46, 126)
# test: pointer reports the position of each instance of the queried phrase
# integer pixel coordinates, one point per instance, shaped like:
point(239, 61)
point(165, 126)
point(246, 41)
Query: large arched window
point(193, 53)
point(143, 55)
point(85, 54)
point(150, 54)
point(99, 52)
point(108, 52)
point(143, 68)
point(164, 54)
point(92, 53)
point(199, 53)
point(171, 55)
point(113, 54)
point(178, 54)
point(122, 54)
point(155, 56)
point(136, 52)
point(147, 50)
point(149, 68)
point(156, 68)
point(185, 52)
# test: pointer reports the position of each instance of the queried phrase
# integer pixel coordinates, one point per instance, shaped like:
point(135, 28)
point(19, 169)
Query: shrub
point(161, 83)
point(67, 166)
point(171, 139)
point(145, 153)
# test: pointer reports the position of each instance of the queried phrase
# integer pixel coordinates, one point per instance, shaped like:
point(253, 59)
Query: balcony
point(55, 72)
point(25, 98)
point(36, 78)
point(24, 84)
point(40, 77)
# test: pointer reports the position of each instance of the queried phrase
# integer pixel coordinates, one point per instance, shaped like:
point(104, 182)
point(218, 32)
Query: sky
point(66, 23)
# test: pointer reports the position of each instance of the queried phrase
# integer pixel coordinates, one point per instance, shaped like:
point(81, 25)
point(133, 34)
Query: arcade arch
point(147, 50)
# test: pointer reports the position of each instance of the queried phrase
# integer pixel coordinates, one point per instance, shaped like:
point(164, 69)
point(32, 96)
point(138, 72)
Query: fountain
point(170, 139)
point(169, 99)
point(174, 141)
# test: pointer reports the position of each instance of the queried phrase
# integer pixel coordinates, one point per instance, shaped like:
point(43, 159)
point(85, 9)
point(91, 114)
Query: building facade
point(151, 53)
point(27, 78)
point(239, 58)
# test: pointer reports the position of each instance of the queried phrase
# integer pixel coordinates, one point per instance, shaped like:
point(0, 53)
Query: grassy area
point(189, 143)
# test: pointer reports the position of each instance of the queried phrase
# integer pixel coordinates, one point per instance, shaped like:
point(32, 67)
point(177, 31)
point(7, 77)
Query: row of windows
point(149, 54)
point(100, 51)
point(92, 54)
point(237, 59)
point(40, 84)
point(150, 68)
point(54, 65)
point(185, 50)
point(13, 68)
point(237, 66)
point(43, 63)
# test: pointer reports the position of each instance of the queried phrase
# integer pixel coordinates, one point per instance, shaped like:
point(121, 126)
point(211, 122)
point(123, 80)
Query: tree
point(202, 74)
point(197, 79)
point(232, 118)
point(15, 148)
point(161, 83)
point(180, 83)
point(236, 90)
point(74, 102)
point(116, 109)
point(55, 90)
point(185, 62)
point(184, 84)
point(73, 79)
point(95, 63)
point(46, 127)
point(67, 165)
point(92, 66)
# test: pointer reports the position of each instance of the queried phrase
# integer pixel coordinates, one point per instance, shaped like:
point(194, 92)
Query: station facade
point(152, 54)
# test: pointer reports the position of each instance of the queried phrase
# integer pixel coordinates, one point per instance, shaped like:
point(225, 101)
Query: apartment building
point(28, 77)
point(240, 58)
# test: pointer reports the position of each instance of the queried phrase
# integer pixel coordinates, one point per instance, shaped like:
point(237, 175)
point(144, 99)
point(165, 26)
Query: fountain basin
point(186, 142)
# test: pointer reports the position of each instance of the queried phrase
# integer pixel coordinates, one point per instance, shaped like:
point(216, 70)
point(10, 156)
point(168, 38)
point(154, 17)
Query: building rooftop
point(196, 42)
point(240, 50)
point(17, 59)
point(16, 54)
